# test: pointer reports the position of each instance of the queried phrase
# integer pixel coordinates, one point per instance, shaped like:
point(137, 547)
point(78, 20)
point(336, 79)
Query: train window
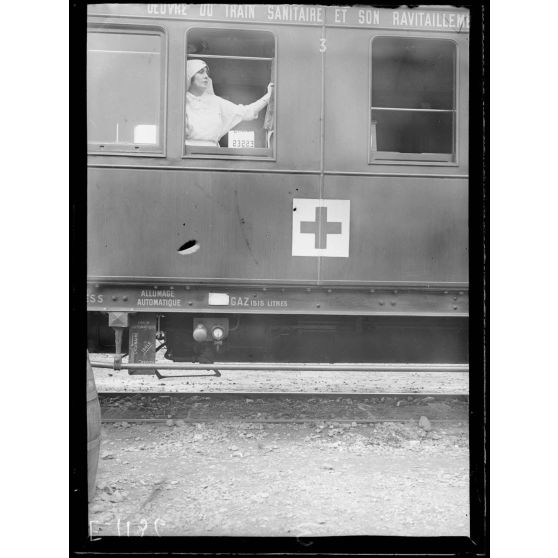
point(125, 81)
point(413, 99)
point(230, 99)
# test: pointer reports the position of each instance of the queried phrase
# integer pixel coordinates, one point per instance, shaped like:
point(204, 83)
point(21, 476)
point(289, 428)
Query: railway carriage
point(333, 228)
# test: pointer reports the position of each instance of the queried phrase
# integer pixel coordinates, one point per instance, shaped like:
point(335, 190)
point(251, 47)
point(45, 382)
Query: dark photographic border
point(476, 545)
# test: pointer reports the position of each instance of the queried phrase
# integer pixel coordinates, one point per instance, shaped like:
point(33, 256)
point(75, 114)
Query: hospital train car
point(332, 228)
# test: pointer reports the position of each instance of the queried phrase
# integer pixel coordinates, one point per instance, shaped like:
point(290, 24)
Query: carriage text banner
point(359, 16)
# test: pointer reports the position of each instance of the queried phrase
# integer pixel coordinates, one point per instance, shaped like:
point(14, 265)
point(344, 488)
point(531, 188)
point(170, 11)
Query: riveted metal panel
point(401, 230)
point(139, 219)
point(227, 299)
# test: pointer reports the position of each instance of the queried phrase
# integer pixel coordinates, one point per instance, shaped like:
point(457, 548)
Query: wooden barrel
point(93, 431)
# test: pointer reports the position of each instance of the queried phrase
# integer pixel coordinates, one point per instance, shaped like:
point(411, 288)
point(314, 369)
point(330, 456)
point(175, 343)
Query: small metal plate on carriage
point(240, 139)
point(142, 342)
point(218, 299)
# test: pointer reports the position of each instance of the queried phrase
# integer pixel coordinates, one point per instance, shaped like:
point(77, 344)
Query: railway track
point(286, 379)
point(281, 408)
point(117, 364)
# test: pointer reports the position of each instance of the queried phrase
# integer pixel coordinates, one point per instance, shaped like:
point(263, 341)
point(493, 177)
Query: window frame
point(420, 159)
point(146, 150)
point(229, 153)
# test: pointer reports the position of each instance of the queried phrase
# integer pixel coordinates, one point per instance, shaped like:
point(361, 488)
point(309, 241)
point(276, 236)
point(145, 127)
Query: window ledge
point(257, 153)
point(396, 158)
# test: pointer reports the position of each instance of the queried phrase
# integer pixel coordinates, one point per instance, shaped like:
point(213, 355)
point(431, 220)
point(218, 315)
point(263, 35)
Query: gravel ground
point(197, 408)
point(253, 381)
point(282, 480)
point(315, 479)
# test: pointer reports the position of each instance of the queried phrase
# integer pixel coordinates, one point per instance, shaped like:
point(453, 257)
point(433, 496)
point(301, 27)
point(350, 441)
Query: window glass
point(413, 99)
point(233, 115)
point(124, 91)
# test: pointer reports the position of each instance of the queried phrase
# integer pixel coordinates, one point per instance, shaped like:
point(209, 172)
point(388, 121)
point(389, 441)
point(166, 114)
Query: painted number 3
point(323, 46)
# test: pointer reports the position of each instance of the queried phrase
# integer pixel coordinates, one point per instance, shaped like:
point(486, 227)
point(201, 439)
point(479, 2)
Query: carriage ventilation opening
point(189, 247)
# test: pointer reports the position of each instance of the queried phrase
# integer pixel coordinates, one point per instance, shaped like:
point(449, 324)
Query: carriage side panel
point(401, 230)
point(139, 219)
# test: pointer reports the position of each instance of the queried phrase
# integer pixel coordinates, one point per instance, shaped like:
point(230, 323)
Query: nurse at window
point(208, 116)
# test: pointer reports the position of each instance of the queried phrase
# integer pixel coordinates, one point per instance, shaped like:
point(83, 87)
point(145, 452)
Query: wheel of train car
point(93, 431)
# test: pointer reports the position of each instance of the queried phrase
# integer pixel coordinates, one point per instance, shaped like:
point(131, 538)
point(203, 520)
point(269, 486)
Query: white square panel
point(321, 227)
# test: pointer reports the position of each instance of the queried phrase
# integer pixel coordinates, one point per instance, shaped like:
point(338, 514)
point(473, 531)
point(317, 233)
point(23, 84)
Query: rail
point(290, 367)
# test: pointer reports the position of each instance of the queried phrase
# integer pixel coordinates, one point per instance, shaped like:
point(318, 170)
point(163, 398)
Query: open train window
point(229, 109)
point(413, 114)
point(125, 90)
